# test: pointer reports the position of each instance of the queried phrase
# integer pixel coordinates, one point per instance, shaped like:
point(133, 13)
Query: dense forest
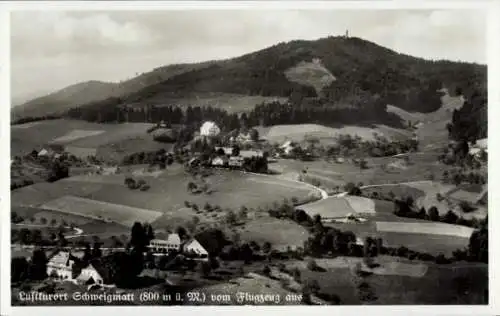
point(470, 122)
point(361, 68)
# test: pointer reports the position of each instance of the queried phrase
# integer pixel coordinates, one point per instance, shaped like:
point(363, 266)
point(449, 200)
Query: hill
point(82, 93)
point(359, 67)
point(327, 75)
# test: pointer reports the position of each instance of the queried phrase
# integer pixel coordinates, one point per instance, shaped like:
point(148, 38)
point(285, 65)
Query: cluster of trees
point(35, 269)
point(152, 158)
point(190, 118)
point(347, 145)
point(25, 236)
point(458, 177)
point(406, 208)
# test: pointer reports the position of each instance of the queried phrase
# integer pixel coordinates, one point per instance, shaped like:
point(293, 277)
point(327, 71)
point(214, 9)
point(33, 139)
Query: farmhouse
point(288, 146)
point(61, 264)
point(172, 243)
point(193, 248)
point(478, 147)
point(94, 273)
point(236, 162)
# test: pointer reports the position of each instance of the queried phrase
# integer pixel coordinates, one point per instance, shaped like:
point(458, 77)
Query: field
point(75, 135)
point(121, 214)
point(72, 133)
point(253, 284)
point(88, 200)
point(431, 228)
point(280, 233)
point(281, 133)
point(310, 74)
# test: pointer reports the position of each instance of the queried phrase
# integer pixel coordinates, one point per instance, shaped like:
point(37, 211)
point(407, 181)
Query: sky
point(53, 49)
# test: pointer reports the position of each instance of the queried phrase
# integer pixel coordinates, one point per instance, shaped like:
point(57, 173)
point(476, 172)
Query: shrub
point(312, 265)
point(466, 206)
point(187, 204)
point(266, 271)
point(439, 197)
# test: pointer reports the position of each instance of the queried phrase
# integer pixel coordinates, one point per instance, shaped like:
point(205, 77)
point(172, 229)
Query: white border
point(493, 8)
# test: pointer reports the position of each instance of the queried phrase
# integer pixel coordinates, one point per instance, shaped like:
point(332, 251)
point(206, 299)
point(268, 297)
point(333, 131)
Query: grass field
point(121, 214)
point(433, 244)
point(92, 196)
point(75, 135)
point(72, 132)
point(233, 103)
point(332, 207)
point(425, 227)
point(281, 133)
point(310, 74)
point(280, 233)
point(451, 285)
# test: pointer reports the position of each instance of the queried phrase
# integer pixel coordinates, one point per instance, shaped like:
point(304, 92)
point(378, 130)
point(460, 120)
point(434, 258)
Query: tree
point(243, 214)
point(235, 150)
point(317, 219)
point(433, 213)
point(450, 217)
point(58, 171)
point(181, 231)
point(138, 238)
point(18, 269)
point(205, 268)
point(196, 220)
point(266, 247)
point(150, 234)
point(266, 271)
point(231, 218)
point(254, 134)
point(96, 250)
point(191, 186)
point(312, 265)
point(38, 267)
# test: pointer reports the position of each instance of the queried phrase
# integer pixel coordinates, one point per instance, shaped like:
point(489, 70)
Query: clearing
point(423, 227)
point(74, 135)
point(280, 233)
point(312, 74)
point(121, 214)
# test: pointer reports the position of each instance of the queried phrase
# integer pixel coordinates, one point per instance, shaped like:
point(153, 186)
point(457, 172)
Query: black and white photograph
point(248, 156)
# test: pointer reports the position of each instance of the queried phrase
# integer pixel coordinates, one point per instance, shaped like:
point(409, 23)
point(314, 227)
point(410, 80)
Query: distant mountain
point(82, 93)
point(333, 72)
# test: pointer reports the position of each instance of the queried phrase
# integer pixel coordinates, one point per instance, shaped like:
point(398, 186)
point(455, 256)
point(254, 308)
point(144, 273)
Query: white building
point(194, 248)
point(209, 129)
point(172, 243)
point(61, 265)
